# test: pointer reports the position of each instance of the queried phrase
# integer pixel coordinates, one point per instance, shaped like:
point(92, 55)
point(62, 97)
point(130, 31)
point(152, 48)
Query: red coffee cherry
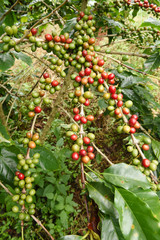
point(48, 37)
point(145, 163)
point(75, 156)
point(37, 109)
point(21, 176)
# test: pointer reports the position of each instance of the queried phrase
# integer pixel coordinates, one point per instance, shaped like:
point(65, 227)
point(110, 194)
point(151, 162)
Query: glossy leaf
point(6, 61)
point(47, 159)
point(154, 23)
point(151, 199)
point(152, 62)
point(102, 196)
point(136, 218)
point(8, 163)
point(69, 25)
point(25, 58)
point(125, 176)
point(156, 148)
point(110, 228)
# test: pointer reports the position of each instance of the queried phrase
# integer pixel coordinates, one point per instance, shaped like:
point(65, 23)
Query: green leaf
point(154, 23)
point(4, 131)
point(60, 142)
point(110, 229)
point(125, 176)
point(8, 163)
point(69, 25)
point(135, 217)
point(102, 197)
point(151, 199)
point(50, 195)
point(25, 58)
point(152, 62)
point(49, 189)
point(102, 103)
point(47, 159)
point(64, 219)
point(6, 61)
point(156, 148)
point(71, 237)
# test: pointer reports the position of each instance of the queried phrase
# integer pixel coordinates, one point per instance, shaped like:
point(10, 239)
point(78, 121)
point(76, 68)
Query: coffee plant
point(54, 172)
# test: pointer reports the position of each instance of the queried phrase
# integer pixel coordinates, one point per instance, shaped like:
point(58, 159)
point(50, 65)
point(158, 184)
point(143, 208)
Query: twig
point(41, 20)
point(36, 82)
point(39, 223)
point(9, 10)
point(128, 53)
point(103, 155)
point(33, 55)
point(9, 92)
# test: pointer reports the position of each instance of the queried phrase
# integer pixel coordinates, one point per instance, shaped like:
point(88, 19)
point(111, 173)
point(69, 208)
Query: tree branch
point(9, 10)
point(41, 20)
point(128, 53)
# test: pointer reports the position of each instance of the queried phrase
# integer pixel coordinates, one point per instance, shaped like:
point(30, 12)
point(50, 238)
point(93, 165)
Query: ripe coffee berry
point(87, 71)
point(112, 89)
point(132, 122)
point(87, 102)
point(86, 140)
point(33, 31)
point(82, 152)
point(145, 147)
point(132, 130)
point(104, 75)
point(75, 156)
point(90, 149)
point(111, 76)
point(73, 137)
point(75, 110)
point(83, 120)
point(17, 173)
point(145, 163)
point(48, 37)
point(54, 83)
point(77, 117)
point(21, 176)
point(37, 109)
point(100, 80)
point(46, 75)
point(78, 79)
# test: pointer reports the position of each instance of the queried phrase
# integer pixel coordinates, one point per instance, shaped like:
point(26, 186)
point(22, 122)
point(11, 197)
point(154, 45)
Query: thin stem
point(22, 230)
point(33, 55)
point(39, 223)
point(9, 10)
point(36, 82)
point(103, 155)
point(41, 20)
point(128, 53)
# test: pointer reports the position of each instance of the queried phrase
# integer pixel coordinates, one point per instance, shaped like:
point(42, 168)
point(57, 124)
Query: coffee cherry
point(104, 75)
point(22, 216)
point(85, 159)
point(90, 118)
point(125, 110)
point(83, 120)
point(31, 145)
point(75, 156)
point(91, 155)
point(17, 173)
point(15, 209)
point(134, 116)
point(86, 140)
point(34, 31)
point(46, 75)
point(77, 117)
point(112, 89)
point(21, 176)
point(37, 109)
point(87, 71)
point(73, 137)
point(145, 163)
point(48, 37)
point(132, 122)
point(111, 76)
point(129, 104)
point(145, 147)
point(82, 152)
point(132, 130)
point(90, 149)
point(54, 83)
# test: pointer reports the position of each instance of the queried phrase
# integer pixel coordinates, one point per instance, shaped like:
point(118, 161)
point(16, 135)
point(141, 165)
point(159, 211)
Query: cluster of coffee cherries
point(9, 39)
point(24, 191)
point(121, 110)
point(78, 148)
point(30, 141)
point(144, 5)
point(47, 86)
